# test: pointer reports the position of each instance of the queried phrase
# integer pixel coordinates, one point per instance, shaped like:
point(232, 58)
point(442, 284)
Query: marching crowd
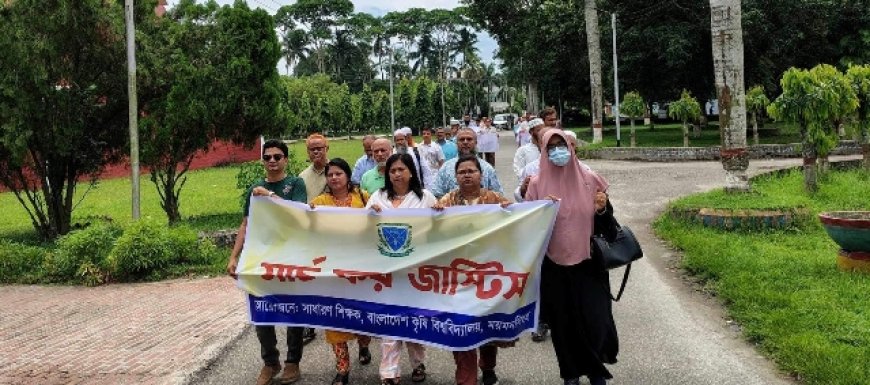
point(452, 169)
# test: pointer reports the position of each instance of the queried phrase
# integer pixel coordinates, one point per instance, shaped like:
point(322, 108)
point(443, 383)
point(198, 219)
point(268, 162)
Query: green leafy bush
point(90, 246)
point(20, 263)
point(143, 247)
point(148, 247)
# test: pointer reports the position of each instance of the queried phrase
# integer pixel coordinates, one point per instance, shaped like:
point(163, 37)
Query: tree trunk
point(532, 100)
point(633, 140)
point(755, 128)
point(865, 150)
point(727, 39)
point(593, 37)
point(811, 183)
point(165, 181)
point(685, 134)
point(824, 166)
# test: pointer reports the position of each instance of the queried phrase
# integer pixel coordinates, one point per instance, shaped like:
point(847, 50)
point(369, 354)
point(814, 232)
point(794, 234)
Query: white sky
point(486, 44)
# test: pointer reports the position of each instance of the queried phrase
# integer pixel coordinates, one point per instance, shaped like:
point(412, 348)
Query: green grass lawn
point(671, 135)
point(349, 150)
point(209, 201)
point(783, 287)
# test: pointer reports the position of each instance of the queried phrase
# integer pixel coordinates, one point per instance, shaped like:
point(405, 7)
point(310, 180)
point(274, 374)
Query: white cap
point(399, 132)
point(406, 130)
point(454, 122)
point(536, 122)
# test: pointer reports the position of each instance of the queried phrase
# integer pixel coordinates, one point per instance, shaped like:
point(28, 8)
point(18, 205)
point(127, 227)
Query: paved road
point(669, 334)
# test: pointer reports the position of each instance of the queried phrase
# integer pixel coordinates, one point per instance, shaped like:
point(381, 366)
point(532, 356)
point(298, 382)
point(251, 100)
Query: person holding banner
point(469, 193)
point(401, 190)
point(343, 193)
point(276, 185)
point(575, 290)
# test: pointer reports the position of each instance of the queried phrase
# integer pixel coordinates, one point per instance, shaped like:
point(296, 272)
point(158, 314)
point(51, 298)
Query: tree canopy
point(208, 73)
point(63, 102)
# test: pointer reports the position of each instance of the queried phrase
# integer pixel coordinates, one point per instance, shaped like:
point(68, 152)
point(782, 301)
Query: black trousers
point(269, 345)
point(576, 303)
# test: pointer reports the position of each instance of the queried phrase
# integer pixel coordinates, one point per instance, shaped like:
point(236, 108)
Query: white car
point(504, 121)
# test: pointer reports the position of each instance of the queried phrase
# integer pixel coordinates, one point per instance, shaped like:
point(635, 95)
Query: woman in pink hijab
point(575, 289)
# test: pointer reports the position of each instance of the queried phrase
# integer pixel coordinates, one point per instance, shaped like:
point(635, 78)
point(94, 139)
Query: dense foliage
point(665, 47)
point(818, 101)
point(63, 102)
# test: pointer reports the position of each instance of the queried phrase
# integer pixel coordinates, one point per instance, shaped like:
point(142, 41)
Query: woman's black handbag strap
point(624, 282)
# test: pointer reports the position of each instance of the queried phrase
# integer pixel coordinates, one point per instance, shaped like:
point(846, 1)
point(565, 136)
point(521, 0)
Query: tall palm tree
point(465, 46)
point(593, 46)
point(294, 47)
point(425, 56)
point(727, 43)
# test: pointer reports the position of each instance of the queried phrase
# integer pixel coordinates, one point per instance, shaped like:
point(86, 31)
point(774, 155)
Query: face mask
point(559, 156)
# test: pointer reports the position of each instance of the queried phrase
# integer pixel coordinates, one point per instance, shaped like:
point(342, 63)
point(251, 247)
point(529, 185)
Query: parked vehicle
point(504, 121)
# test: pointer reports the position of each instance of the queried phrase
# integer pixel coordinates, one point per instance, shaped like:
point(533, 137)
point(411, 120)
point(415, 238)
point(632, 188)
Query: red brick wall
point(221, 153)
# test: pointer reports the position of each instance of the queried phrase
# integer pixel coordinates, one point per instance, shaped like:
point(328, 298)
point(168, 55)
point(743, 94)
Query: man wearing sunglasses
point(277, 185)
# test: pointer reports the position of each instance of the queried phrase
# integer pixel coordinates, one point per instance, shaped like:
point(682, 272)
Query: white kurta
point(411, 200)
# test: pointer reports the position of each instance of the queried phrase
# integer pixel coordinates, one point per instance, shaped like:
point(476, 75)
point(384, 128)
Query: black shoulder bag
point(620, 249)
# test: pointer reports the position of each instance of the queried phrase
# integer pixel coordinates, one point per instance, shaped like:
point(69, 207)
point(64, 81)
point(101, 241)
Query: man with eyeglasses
point(374, 180)
point(277, 185)
point(315, 174)
point(365, 162)
point(445, 182)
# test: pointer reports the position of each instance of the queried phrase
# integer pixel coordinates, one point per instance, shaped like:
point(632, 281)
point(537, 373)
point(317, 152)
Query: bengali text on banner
point(455, 279)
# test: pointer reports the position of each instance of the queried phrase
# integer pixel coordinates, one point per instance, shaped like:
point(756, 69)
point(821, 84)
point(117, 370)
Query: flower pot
point(850, 229)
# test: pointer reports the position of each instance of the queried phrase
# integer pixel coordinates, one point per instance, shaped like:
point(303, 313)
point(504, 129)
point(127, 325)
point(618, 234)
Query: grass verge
point(783, 287)
point(671, 135)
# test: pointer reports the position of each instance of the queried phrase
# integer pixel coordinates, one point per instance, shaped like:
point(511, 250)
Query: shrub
point(148, 247)
point(143, 247)
point(20, 263)
point(90, 246)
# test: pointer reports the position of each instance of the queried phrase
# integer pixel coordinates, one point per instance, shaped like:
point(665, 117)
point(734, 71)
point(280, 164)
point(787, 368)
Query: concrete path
point(194, 331)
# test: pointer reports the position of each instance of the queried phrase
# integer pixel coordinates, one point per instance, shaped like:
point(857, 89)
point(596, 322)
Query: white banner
point(455, 279)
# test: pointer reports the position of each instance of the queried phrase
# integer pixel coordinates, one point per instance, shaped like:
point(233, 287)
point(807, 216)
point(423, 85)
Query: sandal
point(340, 379)
point(390, 381)
point(419, 374)
point(365, 356)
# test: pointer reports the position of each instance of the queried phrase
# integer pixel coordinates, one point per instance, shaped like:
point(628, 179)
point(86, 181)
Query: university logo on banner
point(395, 239)
point(456, 279)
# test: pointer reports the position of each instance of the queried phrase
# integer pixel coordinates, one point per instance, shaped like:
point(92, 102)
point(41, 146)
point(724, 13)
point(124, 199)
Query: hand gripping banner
point(455, 279)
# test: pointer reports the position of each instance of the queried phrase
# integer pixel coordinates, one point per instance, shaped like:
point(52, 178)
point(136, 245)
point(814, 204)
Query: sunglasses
point(269, 158)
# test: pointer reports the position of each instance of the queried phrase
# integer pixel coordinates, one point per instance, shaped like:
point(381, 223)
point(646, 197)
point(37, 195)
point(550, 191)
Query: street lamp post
point(392, 107)
point(133, 107)
point(615, 80)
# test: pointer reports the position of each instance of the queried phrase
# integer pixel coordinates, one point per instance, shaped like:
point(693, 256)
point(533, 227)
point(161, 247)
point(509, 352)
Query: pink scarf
point(576, 186)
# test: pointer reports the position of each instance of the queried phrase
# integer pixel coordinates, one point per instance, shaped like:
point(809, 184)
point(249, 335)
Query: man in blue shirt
point(445, 182)
point(447, 146)
point(365, 162)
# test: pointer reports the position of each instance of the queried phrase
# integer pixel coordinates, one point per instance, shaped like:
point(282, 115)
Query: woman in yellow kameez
point(342, 193)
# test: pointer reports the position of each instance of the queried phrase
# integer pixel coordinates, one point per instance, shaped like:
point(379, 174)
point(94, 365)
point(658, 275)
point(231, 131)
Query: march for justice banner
point(455, 279)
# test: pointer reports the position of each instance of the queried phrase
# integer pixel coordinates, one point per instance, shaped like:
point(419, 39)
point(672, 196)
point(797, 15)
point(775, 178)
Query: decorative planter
point(745, 219)
point(851, 231)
